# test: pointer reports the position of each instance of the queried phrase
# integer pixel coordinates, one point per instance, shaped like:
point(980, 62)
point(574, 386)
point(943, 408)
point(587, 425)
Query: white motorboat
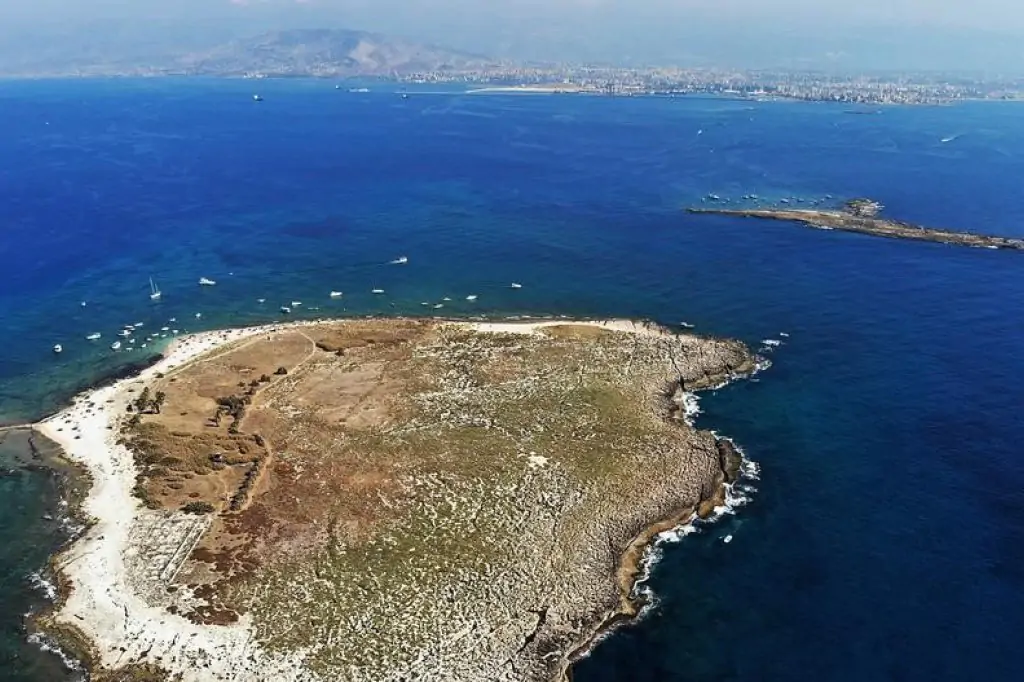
point(516, 285)
point(336, 294)
point(125, 333)
point(94, 336)
point(401, 260)
point(377, 291)
point(58, 348)
point(198, 315)
point(204, 282)
point(296, 304)
point(285, 309)
point(471, 297)
point(115, 346)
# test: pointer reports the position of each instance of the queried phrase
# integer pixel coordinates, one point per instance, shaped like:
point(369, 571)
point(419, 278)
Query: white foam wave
point(737, 495)
point(44, 585)
point(691, 407)
point(46, 644)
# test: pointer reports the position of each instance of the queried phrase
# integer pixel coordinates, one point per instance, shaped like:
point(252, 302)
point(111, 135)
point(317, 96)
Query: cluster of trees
point(242, 495)
point(146, 403)
point(197, 508)
point(150, 402)
point(234, 405)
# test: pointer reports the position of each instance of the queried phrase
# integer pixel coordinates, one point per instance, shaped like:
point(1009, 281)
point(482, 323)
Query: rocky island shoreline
point(383, 499)
point(862, 216)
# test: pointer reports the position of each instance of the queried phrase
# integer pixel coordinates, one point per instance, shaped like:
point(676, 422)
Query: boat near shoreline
point(102, 596)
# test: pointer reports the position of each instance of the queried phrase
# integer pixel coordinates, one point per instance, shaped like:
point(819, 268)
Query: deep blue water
point(887, 537)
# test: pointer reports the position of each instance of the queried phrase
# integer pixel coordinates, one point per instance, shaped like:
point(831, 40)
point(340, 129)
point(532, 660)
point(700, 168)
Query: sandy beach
point(121, 624)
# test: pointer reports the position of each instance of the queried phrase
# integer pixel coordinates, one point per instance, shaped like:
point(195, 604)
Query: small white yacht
point(285, 309)
point(154, 290)
point(336, 294)
point(516, 285)
point(173, 319)
point(261, 300)
point(471, 297)
point(125, 333)
point(377, 291)
point(58, 348)
point(296, 304)
point(115, 346)
point(257, 98)
point(401, 260)
point(198, 315)
point(439, 305)
point(446, 299)
point(204, 282)
point(139, 325)
point(94, 336)
point(165, 329)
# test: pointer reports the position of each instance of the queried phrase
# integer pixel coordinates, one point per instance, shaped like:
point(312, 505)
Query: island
point(862, 215)
point(383, 499)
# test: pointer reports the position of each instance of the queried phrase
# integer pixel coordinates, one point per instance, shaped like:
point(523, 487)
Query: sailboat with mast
point(154, 291)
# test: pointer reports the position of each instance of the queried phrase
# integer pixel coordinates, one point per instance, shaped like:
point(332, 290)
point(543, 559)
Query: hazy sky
point(899, 33)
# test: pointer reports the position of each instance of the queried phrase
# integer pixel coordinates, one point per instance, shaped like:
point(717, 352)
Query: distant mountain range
point(299, 52)
point(327, 52)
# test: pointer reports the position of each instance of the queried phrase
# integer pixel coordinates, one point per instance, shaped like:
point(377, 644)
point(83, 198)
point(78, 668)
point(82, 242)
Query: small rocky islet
point(864, 216)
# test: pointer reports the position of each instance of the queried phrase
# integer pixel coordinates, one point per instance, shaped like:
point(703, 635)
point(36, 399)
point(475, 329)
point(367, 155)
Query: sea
point(885, 539)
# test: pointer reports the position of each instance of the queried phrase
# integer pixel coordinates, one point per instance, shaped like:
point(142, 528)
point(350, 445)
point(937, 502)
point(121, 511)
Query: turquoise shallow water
point(884, 541)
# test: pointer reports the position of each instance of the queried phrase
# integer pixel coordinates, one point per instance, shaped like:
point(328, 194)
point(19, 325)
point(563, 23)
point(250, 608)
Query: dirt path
point(268, 461)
